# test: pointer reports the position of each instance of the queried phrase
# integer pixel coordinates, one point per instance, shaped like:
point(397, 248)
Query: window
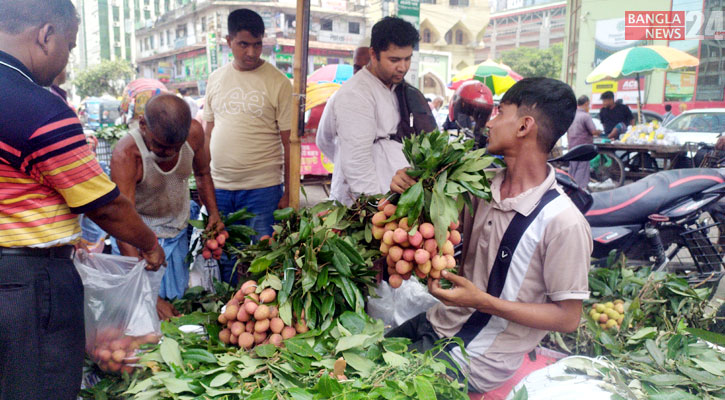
point(461, 3)
point(161, 39)
point(427, 36)
point(167, 5)
point(203, 24)
point(326, 24)
point(169, 39)
point(449, 37)
point(353, 27)
point(116, 13)
point(459, 37)
point(151, 39)
point(157, 7)
point(181, 31)
point(147, 14)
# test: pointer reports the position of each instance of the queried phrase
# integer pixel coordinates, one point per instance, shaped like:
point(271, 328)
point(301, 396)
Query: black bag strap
point(415, 113)
point(497, 279)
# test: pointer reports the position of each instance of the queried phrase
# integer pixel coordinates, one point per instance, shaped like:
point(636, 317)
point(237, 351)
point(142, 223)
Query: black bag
point(415, 113)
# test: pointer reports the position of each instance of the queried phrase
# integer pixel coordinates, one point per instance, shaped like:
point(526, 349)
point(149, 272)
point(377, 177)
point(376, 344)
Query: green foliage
point(319, 261)
point(108, 77)
point(656, 353)
point(530, 62)
point(448, 173)
point(112, 134)
point(194, 367)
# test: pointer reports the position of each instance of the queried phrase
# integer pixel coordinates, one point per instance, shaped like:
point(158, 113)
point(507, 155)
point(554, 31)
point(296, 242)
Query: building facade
point(184, 45)
point(107, 29)
point(529, 23)
point(596, 30)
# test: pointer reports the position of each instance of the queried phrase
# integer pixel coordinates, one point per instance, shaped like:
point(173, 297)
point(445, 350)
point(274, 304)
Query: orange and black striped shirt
point(48, 174)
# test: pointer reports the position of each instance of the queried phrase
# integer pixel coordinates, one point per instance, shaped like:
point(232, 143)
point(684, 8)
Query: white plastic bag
point(395, 306)
point(119, 305)
point(203, 273)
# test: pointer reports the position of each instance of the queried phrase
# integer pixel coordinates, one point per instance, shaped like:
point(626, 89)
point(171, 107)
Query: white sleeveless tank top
point(162, 198)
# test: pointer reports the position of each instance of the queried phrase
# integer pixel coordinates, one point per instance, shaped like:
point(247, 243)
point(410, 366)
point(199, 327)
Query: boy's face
point(247, 50)
point(502, 129)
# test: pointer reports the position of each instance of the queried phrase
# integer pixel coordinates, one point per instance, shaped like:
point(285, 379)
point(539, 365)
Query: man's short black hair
point(608, 95)
point(168, 117)
point(19, 15)
point(393, 30)
point(551, 102)
point(583, 99)
point(668, 107)
point(245, 19)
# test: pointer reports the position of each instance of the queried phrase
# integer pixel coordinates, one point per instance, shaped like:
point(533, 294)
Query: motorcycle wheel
point(609, 166)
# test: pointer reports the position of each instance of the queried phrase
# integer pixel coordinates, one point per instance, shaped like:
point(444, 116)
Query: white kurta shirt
point(366, 114)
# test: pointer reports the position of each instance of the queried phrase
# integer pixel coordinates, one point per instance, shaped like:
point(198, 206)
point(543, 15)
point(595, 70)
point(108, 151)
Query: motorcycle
point(653, 220)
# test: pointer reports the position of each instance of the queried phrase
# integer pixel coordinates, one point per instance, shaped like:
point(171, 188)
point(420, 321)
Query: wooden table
point(635, 161)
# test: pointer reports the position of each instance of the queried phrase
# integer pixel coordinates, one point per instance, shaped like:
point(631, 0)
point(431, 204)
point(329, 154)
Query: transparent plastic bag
point(395, 306)
point(203, 273)
point(119, 306)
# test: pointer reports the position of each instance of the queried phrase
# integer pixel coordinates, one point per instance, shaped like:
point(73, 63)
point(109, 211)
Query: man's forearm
point(121, 221)
point(205, 185)
point(287, 163)
point(561, 317)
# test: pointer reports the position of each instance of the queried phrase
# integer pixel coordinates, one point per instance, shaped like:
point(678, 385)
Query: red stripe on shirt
point(54, 125)
point(10, 149)
point(37, 222)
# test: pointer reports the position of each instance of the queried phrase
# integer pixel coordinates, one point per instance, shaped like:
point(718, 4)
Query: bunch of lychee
point(408, 251)
point(213, 246)
point(609, 315)
point(251, 318)
point(113, 351)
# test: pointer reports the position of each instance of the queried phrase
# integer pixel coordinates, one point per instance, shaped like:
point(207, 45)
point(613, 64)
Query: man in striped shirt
point(47, 176)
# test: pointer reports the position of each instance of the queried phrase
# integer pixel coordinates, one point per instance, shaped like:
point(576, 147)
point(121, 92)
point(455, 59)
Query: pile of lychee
point(251, 318)
point(609, 315)
point(113, 351)
point(213, 246)
point(410, 251)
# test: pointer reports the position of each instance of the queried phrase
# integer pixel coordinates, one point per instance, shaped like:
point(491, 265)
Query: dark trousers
point(420, 331)
point(42, 336)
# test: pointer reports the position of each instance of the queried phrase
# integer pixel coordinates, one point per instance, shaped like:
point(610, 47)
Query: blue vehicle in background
point(99, 112)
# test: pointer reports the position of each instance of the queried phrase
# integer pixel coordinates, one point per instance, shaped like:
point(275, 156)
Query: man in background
point(581, 131)
point(366, 115)
point(248, 111)
point(151, 166)
point(615, 116)
point(668, 115)
point(360, 59)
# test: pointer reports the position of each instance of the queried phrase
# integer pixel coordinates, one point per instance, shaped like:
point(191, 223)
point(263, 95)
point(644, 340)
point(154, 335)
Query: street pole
point(302, 36)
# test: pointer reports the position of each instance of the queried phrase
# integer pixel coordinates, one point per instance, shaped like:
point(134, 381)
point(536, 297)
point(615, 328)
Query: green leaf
point(359, 363)
point(237, 216)
point(715, 368)
point(221, 379)
point(283, 214)
point(352, 322)
point(424, 389)
point(285, 313)
point(197, 224)
point(287, 282)
point(655, 352)
point(351, 342)
point(395, 360)
point(341, 263)
point(170, 352)
point(666, 379)
point(199, 355)
point(175, 385)
point(521, 394)
point(328, 387)
point(672, 394)
point(265, 350)
point(300, 394)
point(701, 376)
point(301, 348)
point(644, 333)
point(712, 337)
point(259, 265)
point(270, 280)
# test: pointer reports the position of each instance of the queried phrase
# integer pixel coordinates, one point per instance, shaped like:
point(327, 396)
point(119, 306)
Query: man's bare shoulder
point(196, 136)
point(126, 148)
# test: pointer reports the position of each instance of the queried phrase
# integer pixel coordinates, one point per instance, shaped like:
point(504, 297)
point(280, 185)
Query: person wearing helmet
point(526, 251)
point(470, 109)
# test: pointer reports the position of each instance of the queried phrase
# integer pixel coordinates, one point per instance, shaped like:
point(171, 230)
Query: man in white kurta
point(365, 115)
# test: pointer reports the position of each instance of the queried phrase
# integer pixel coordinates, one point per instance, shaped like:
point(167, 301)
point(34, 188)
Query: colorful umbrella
point(497, 77)
point(335, 73)
point(318, 93)
point(642, 59)
point(136, 94)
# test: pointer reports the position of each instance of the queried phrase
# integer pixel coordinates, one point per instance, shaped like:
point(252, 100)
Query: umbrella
point(336, 73)
point(137, 93)
point(642, 59)
point(319, 93)
point(497, 77)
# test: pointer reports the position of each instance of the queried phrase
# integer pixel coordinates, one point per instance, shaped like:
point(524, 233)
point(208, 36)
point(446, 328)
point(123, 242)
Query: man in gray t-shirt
point(581, 131)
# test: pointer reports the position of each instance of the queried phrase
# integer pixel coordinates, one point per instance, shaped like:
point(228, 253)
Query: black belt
point(66, 252)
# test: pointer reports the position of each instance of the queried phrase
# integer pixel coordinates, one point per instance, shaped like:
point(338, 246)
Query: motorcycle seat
point(633, 203)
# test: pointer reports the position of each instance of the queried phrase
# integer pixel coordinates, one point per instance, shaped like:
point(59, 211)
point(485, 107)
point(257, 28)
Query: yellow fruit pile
point(609, 315)
point(407, 253)
point(250, 319)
